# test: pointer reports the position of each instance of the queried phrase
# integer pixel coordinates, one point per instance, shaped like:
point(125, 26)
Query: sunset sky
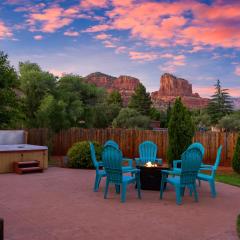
point(193, 39)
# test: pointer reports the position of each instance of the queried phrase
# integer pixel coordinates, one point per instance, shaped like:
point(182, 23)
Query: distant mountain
point(236, 102)
point(126, 85)
point(170, 88)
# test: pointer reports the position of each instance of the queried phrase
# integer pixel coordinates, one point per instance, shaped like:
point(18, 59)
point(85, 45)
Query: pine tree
point(236, 157)
point(180, 131)
point(220, 104)
point(141, 100)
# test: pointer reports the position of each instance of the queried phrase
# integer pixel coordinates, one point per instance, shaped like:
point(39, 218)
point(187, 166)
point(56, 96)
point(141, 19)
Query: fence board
point(129, 141)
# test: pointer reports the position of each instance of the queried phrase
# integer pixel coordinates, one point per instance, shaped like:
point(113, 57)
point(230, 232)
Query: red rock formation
point(172, 87)
point(126, 85)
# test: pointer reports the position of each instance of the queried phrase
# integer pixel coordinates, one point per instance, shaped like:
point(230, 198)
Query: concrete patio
point(59, 204)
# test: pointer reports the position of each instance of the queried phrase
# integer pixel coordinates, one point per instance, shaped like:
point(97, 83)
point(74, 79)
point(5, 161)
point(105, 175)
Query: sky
point(198, 40)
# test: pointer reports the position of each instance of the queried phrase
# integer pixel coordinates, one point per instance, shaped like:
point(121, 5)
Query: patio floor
point(60, 204)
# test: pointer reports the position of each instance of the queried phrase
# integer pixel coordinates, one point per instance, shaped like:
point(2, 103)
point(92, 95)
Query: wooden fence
point(129, 141)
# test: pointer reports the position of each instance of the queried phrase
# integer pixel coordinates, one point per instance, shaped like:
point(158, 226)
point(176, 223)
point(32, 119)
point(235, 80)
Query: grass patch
point(238, 226)
point(231, 178)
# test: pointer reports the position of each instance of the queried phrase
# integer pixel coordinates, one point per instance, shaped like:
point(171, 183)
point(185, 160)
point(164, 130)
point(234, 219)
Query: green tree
point(130, 118)
point(236, 156)
point(115, 98)
point(10, 108)
point(220, 104)
point(201, 119)
point(74, 91)
point(141, 100)
point(230, 122)
point(35, 84)
point(169, 110)
point(180, 131)
point(155, 114)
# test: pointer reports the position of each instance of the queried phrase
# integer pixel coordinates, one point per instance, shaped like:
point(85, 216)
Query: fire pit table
point(150, 176)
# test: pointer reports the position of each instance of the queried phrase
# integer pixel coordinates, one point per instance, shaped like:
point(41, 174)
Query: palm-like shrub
point(180, 131)
point(236, 157)
point(79, 155)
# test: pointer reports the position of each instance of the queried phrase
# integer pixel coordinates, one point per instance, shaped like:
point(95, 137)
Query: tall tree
point(180, 131)
point(35, 84)
point(10, 111)
point(141, 100)
point(220, 104)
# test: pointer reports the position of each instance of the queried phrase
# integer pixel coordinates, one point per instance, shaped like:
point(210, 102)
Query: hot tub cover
point(21, 147)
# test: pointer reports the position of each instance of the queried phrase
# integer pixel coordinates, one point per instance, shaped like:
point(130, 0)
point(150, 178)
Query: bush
point(130, 118)
point(79, 155)
point(236, 157)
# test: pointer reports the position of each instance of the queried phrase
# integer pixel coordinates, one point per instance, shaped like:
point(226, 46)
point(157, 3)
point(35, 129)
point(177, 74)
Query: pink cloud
point(164, 24)
point(209, 91)
point(5, 32)
point(51, 19)
point(121, 49)
point(94, 3)
point(102, 36)
point(38, 37)
point(143, 56)
point(71, 33)
point(237, 70)
point(98, 28)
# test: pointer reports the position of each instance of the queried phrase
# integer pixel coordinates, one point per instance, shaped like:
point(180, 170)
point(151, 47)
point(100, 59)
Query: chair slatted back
point(111, 143)
point(197, 145)
point(147, 152)
point(112, 162)
point(191, 162)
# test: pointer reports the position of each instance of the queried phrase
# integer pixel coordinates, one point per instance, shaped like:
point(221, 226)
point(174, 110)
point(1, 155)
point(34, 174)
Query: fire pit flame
point(149, 164)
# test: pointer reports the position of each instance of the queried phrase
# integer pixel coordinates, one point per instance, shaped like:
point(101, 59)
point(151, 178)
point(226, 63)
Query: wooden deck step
point(28, 162)
point(31, 169)
point(27, 167)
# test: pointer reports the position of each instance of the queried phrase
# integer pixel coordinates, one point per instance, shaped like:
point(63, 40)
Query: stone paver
point(59, 204)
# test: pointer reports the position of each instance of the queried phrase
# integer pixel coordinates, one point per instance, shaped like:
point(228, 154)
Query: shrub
point(180, 131)
point(236, 157)
point(130, 118)
point(79, 155)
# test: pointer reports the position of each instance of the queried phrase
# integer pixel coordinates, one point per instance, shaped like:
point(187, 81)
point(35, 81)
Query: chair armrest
point(129, 160)
point(137, 161)
point(132, 170)
point(159, 161)
point(206, 166)
point(175, 163)
point(100, 164)
point(171, 172)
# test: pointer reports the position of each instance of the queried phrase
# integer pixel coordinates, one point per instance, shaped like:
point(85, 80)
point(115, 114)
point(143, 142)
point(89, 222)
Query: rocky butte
point(172, 87)
point(126, 85)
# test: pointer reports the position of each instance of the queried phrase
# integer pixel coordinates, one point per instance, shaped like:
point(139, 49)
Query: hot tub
point(13, 149)
point(21, 152)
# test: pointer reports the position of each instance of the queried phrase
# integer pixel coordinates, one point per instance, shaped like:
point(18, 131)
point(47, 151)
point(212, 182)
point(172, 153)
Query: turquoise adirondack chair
point(114, 144)
point(213, 168)
point(99, 172)
point(112, 161)
point(186, 177)
point(147, 153)
point(193, 145)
